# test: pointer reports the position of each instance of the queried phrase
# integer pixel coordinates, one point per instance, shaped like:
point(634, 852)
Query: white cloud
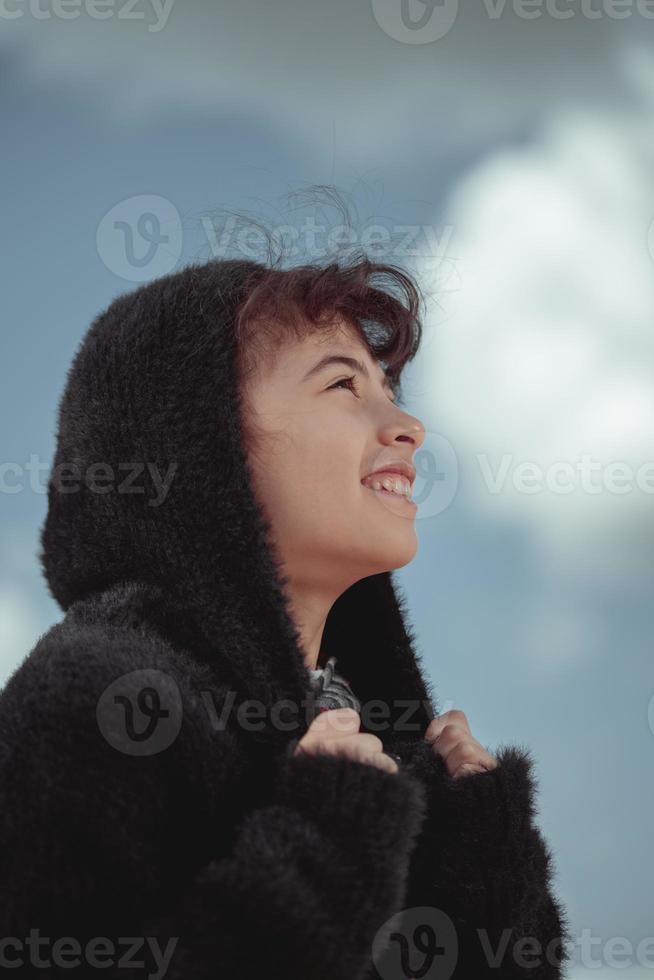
point(547, 351)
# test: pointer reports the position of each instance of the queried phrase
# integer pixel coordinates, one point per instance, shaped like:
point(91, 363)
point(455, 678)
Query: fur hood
point(149, 434)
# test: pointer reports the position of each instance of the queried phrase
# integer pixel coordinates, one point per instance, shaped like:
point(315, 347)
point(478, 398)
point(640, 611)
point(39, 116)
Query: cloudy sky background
point(520, 152)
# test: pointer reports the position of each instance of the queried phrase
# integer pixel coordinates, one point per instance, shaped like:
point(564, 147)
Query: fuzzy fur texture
point(209, 834)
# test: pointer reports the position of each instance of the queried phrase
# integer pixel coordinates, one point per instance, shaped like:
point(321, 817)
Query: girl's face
point(321, 434)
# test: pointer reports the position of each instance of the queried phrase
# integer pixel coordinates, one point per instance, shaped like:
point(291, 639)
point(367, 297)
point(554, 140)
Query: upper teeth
point(394, 484)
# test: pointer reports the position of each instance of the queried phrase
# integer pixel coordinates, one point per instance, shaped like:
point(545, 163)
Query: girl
point(229, 497)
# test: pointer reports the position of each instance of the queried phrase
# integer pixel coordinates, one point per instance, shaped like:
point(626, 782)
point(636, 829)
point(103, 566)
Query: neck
point(310, 606)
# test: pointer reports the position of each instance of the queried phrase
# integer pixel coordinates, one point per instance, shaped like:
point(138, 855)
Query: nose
point(405, 428)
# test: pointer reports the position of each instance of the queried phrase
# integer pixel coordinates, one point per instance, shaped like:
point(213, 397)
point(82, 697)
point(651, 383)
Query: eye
point(349, 383)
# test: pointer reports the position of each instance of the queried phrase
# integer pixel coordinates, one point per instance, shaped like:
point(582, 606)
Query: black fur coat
point(153, 820)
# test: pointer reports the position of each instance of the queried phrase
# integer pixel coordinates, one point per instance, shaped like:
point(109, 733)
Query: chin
point(406, 558)
point(398, 556)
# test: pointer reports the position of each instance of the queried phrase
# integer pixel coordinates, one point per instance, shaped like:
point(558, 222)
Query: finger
point(468, 769)
point(336, 738)
point(470, 753)
point(389, 763)
point(362, 753)
point(437, 724)
point(352, 744)
point(365, 743)
point(382, 761)
point(452, 738)
point(339, 721)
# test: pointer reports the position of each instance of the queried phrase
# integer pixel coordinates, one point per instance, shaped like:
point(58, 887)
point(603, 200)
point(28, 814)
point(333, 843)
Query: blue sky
point(524, 148)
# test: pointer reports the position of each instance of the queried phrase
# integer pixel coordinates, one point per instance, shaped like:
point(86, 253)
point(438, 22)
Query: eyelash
point(352, 386)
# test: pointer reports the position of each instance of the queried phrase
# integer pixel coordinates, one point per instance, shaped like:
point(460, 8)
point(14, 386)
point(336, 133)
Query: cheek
point(308, 471)
point(319, 493)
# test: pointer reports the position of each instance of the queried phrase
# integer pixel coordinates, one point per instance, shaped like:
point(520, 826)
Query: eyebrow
point(351, 362)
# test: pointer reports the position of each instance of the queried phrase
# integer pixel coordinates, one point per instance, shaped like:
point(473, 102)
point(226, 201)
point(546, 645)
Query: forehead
point(301, 356)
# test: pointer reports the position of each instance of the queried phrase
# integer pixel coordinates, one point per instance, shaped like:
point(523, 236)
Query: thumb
point(340, 721)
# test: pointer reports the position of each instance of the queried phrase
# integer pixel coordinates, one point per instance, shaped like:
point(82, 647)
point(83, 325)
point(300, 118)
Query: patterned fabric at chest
point(332, 689)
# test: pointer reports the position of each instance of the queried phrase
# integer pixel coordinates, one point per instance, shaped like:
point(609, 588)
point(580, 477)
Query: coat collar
point(153, 391)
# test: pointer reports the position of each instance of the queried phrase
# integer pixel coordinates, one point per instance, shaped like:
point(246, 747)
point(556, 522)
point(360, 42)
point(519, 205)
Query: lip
point(394, 499)
point(399, 466)
point(402, 468)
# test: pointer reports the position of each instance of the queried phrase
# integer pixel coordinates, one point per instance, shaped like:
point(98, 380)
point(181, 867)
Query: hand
point(336, 732)
point(451, 738)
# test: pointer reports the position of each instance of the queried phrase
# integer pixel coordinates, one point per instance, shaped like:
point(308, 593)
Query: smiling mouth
point(404, 501)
